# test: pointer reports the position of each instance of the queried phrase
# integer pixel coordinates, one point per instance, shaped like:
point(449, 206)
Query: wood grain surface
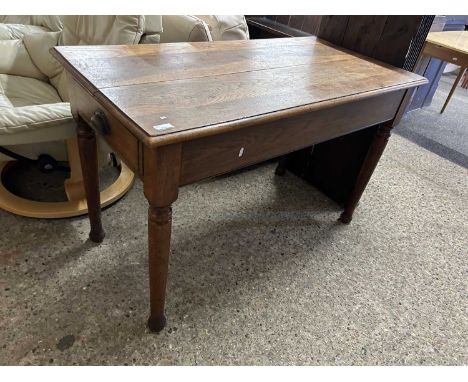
point(203, 89)
point(449, 46)
point(240, 148)
point(454, 40)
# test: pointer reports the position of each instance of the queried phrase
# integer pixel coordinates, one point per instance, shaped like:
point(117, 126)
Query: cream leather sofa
point(35, 116)
point(203, 28)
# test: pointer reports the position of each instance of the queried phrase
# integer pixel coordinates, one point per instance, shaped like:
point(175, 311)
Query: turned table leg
point(159, 246)
point(161, 186)
point(89, 166)
point(370, 162)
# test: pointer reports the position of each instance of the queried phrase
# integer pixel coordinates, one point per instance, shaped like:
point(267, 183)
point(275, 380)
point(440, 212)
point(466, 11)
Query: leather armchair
point(35, 116)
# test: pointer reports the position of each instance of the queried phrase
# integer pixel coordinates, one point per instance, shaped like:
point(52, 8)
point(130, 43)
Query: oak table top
point(235, 83)
point(179, 113)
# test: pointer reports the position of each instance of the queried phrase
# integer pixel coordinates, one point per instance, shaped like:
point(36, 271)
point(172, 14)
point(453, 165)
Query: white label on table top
point(163, 126)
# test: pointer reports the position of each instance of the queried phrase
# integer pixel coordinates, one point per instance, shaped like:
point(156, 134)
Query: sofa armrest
point(26, 118)
point(152, 30)
point(226, 27)
point(184, 28)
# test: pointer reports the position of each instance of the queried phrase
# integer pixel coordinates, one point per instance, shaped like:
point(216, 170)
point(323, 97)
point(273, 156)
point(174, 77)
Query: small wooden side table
point(179, 113)
point(450, 47)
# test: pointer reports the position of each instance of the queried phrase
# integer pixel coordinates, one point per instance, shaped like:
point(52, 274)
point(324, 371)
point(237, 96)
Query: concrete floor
point(261, 274)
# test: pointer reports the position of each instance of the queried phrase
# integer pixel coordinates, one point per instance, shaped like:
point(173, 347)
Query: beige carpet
point(261, 273)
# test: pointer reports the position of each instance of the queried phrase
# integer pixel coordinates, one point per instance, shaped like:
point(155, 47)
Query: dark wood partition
point(283, 26)
point(333, 166)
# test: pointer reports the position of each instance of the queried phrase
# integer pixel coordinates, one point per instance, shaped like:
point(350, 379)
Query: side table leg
point(161, 187)
point(159, 246)
point(281, 166)
point(454, 87)
point(89, 165)
point(372, 158)
point(464, 84)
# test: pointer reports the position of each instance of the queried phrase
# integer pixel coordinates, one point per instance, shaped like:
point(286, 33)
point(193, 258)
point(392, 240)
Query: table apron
point(218, 154)
point(222, 153)
point(446, 54)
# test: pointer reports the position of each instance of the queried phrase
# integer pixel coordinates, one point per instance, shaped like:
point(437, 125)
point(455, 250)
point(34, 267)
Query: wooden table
point(179, 113)
point(450, 47)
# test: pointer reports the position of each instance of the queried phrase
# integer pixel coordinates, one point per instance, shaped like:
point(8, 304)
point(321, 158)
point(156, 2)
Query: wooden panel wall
point(333, 166)
point(305, 23)
point(385, 38)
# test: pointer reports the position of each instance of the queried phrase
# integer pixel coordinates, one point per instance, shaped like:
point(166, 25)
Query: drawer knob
point(99, 123)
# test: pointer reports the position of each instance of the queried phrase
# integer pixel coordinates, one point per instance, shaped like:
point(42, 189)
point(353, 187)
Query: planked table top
point(454, 40)
point(199, 89)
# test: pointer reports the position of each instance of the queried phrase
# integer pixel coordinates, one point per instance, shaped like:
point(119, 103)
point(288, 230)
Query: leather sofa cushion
point(48, 23)
point(153, 29)
point(184, 28)
point(20, 119)
point(18, 31)
point(15, 60)
point(29, 104)
point(153, 24)
point(102, 30)
point(18, 91)
point(81, 30)
point(226, 27)
point(38, 46)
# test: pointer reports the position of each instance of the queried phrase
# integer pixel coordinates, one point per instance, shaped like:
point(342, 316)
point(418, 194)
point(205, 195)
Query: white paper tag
point(163, 126)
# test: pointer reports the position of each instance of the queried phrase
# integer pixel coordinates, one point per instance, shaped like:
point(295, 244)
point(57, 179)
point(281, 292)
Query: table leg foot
point(454, 87)
point(156, 324)
point(345, 218)
point(97, 236)
point(370, 163)
point(281, 167)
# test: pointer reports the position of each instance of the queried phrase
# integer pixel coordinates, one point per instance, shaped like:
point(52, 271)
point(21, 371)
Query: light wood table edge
point(450, 55)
